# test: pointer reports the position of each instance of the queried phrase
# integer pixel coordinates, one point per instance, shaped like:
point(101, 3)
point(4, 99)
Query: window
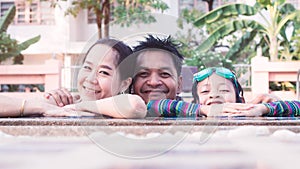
point(27, 12)
point(4, 6)
point(201, 5)
point(30, 12)
point(190, 4)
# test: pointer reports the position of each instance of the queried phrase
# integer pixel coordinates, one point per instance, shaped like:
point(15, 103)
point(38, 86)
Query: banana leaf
point(226, 11)
point(27, 43)
point(226, 30)
point(240, 45)
point(7, 18)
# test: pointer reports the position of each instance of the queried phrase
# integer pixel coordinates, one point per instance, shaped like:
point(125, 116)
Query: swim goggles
point(221, 71)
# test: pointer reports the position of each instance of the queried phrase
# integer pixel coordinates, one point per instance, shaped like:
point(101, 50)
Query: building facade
point(65, 37)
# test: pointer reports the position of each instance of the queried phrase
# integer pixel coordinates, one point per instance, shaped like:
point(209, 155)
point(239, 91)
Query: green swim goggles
point(221, 71)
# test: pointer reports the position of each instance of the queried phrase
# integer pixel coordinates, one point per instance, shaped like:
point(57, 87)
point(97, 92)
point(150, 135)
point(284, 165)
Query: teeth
point(155, 91)
point(90, 90)
point(214, 103)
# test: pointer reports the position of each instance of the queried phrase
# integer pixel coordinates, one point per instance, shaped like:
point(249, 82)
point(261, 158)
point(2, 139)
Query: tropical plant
point(10, 47)
point(269, 32)
point(210, 4)
point(291, 50)
point(125, 12)
point(208, 59)
point(296, 45)
point(190, 37)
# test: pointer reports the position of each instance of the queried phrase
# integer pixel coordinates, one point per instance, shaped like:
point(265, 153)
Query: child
point(218, 92)
point(218, 85)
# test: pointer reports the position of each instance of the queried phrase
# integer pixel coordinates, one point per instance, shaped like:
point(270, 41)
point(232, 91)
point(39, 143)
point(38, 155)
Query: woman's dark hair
point(124, 51)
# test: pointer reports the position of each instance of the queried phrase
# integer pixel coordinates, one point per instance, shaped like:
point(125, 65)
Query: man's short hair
point(165, 45)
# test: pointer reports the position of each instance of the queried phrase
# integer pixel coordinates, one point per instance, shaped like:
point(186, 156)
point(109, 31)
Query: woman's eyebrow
point(106, 67)
point(88, 62)
point(100, 66)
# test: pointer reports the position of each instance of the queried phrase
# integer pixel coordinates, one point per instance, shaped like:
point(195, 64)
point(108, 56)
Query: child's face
point(96, 78)
point(216, 90)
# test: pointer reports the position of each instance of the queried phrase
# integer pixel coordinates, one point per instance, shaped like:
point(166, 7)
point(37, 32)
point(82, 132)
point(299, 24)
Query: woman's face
point(216, 90)
point(98, 77)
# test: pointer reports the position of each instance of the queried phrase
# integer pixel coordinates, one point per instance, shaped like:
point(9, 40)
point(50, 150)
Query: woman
point(106, 72)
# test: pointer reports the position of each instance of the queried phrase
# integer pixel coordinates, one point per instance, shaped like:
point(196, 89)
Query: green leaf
point(284, 21)
point(9, 55)
point(226, 11)
point(240, 45)
point(226, 30)
point(26, 44)
point(264, 2)
point(287, 8)
point(7, 18)
point(280, 2)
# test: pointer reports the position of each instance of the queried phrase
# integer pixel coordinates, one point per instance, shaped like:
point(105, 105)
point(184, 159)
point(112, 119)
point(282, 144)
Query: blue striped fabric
point(283, 108)
point(172, 108)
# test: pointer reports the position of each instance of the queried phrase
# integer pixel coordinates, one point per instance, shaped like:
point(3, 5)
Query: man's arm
point(283, 109)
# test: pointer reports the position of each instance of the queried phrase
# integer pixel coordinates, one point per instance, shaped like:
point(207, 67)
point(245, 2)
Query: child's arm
point(175, 108)
point(283, 109)
point(172, 108)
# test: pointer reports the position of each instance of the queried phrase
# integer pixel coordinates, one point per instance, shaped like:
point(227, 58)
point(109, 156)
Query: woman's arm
point(15, 107)
point(120, 106)
point(11, 107)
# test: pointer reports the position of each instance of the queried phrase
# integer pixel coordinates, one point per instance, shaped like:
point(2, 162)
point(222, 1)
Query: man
point(158, 69)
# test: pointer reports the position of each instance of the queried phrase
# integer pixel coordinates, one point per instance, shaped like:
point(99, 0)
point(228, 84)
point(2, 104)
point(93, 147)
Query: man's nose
point(154, 80)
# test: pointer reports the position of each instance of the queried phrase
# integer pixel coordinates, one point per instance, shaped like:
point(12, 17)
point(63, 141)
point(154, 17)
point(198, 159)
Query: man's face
point(156, 77)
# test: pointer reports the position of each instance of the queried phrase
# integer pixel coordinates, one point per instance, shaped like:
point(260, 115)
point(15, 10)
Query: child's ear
point(125, 84)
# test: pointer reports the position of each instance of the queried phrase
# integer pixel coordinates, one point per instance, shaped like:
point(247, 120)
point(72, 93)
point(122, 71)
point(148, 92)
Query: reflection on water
point(235, 143)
